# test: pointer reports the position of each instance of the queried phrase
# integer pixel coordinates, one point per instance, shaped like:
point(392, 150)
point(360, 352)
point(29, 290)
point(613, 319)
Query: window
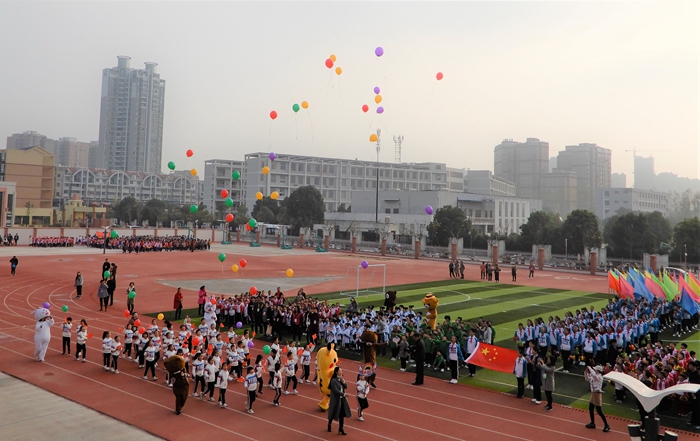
point(387, 210)
point(396, 211)
point(477, 213)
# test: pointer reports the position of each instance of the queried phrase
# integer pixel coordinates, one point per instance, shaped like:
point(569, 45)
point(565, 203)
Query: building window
point(387, 210)
point(477, 213)
point(396, 211)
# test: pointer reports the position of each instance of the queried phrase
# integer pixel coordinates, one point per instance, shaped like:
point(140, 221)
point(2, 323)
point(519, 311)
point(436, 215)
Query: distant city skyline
point(620, 75)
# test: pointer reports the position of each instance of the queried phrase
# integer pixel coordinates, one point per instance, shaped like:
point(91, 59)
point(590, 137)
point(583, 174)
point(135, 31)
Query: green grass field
point(506, 305)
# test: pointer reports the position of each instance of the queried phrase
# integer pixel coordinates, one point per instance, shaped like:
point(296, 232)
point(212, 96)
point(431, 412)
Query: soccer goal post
point(360, 281)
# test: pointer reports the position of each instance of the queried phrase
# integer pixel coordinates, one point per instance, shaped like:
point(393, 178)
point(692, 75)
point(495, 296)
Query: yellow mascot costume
point(431, 304)
point(326, 361)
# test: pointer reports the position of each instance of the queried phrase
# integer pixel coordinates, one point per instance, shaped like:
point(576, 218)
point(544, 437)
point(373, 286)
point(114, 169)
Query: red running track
point(398, 410)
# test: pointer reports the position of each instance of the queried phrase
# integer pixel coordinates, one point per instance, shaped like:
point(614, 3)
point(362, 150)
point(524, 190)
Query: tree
point(241, 216)
point(266, 202)
point(448, 222)
point(540, 229)
point(581, 230)
point(632, 236)
point(686, 238)
point(304, 207)
point(660, 227)
point(127, 209)
point(154, 211)
point(266, 216)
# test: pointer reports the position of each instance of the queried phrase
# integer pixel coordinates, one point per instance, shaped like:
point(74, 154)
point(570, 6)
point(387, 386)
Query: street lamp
point(685, 255)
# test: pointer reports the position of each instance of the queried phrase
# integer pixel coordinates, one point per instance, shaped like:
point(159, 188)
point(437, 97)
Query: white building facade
point(610, 200)
point(218, 176)
point(106, 186)
point(336, 179)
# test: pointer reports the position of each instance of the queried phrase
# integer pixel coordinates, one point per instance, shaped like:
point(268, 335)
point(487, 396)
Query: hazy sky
point(619, 74)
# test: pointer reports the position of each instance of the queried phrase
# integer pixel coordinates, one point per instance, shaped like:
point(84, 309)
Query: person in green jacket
point(439, 363)
point(429, 349)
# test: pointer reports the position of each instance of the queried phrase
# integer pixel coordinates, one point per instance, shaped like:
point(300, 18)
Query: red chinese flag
point(494, 358)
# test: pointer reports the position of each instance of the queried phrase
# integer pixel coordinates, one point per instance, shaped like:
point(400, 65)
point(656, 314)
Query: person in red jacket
point(177, 304)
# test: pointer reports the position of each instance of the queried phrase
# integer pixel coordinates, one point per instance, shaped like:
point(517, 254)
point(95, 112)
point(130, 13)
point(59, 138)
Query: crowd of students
point(143, 244)
point(48, 241)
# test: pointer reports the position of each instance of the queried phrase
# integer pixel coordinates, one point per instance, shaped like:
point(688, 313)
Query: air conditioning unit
point(387, 219)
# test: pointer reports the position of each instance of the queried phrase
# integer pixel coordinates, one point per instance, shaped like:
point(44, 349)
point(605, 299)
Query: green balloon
point(132, 294)
point(171, 165)
point(266, 349)
point(193, 208)
point(106, 274)
point(64, 308)
point(252, 223)
point(236, 175)
point(295, 108)
point(229, 202)
point(114, 234)
point(222, 257)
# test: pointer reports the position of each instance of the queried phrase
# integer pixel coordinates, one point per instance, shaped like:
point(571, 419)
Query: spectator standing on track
point(531, 275)
point(452, 270)
point(547, 369)
point(461, 269)
point(78, 284)
point(103, 294)
point(595, 377)
point(65, 328)
point(339, 408)
point(496, 273)
point(129, 298)
point(514, 272)
point(13, 265)
point(482, 269)
point(105, 266)
point(111, 286)
point(520, 371)
point(177, 304)
point(418, 358)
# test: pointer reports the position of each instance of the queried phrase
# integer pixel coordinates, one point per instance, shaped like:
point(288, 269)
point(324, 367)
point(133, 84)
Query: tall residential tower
point(131, 118)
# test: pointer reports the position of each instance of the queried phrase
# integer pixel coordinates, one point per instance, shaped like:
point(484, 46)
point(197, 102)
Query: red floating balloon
point(273, 115)
point(243, 263)
point(142, 330)
point(137, 323)
point(126, 313)
point(439, 76)
point(195, 341)
point(190, 153)
point(329, 63)
point(253, 290)
point(224, 193)
point(365, 108)
point(229, 218)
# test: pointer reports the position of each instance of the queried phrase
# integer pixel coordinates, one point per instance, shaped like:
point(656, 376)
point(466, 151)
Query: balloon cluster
point(330, 62)
point(377, 99)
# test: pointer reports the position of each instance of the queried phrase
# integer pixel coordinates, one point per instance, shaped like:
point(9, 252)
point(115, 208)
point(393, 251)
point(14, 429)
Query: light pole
point(376, 205)
point(685, 255)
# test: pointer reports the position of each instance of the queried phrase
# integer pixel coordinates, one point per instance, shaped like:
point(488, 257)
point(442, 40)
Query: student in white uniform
point(222, 383)
point(65, 333)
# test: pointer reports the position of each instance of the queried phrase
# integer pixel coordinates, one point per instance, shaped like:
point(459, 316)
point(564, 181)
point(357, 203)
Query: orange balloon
point(372, 138)
point(377, 99)
point(332, 57)
point(338, 70)
point(304, 105)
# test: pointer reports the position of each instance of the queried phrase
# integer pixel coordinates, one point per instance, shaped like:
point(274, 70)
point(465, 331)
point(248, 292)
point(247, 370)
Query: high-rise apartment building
point(30, 139)
point(593, 169)
point(131, 118)
point(522, 163)
point(559, 192)
point(72, 153)
point(644, 176)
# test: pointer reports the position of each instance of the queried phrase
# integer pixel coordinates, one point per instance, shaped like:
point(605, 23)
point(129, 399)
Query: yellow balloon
point(258, 196)
point(377, 99)
point(160, 316)
point(193, 172)
point(372, 138)
point(289, 272)
point(304, 105)
point(274, 195)
point(338, 70)
point(332, 57)
point(266, 170)
point(234, 268)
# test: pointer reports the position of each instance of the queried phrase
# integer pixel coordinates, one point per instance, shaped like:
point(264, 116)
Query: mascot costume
point(175, 366)
point(326, 361)
point(210, 312)
point(42, 332)
point(369, 354)
point(390, 301)
point(431, 304)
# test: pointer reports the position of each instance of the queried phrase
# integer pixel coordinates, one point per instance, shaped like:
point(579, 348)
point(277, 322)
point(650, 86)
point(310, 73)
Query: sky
point(624, 75)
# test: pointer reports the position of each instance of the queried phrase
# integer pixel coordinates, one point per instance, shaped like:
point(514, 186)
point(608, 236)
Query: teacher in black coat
point(418, 357)
point(339, 408)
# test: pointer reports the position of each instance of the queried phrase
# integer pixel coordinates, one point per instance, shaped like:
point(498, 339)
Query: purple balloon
point(429, 209)
point(251, 344)
point(379, 51)
point(239, 325)
point(272, 156)
point(364, 264)
point(46, 305)
point(380, 109)
point(376, 90)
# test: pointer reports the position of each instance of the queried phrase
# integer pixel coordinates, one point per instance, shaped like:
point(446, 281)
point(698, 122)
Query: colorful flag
point(493, 357)
point(626, 290)
point(654, 287)
point(688, 303)
point(613, 282)
point(640, 288)
point(694, 283)
point(671, 287)
point(658, 282)
point(683, 285)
